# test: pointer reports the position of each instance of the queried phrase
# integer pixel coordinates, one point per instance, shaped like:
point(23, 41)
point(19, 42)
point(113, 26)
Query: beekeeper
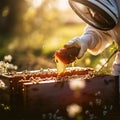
point(103, 19)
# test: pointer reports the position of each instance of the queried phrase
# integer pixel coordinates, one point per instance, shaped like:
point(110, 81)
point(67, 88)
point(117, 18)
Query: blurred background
point(32, 30)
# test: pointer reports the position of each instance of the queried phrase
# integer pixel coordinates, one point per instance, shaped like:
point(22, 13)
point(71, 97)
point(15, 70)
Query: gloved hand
point(80, 42)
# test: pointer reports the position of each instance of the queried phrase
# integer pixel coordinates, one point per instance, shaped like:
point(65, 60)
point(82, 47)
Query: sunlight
point(62, 4)
point(36, 3)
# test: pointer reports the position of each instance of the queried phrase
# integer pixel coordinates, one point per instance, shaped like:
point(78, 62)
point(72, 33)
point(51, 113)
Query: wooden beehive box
point(76, 94)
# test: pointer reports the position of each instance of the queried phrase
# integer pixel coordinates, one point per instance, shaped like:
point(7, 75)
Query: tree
point(11, 15)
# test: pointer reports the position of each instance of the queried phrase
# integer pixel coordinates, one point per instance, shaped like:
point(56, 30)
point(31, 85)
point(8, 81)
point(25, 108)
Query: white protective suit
point(95, 41)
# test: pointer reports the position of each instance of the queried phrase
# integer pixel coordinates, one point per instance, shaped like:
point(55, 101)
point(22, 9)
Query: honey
point(61, 67)
point(65, 56)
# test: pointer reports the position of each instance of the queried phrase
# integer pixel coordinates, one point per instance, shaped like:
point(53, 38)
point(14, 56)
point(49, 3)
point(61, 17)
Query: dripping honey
point(65, 56)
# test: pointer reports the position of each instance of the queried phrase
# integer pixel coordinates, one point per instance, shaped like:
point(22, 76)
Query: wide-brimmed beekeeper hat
point(101, 14)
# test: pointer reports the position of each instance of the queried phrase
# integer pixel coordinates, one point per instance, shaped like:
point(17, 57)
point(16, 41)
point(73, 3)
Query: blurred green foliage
point(33, 34)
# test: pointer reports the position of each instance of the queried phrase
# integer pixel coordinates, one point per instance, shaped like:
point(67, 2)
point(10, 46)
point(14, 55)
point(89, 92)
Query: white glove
point(80, 42)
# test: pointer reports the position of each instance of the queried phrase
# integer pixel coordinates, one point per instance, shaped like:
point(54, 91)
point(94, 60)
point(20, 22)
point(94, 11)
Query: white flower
point(2, 84)
point(103, 61)
point(98, 66)
point(76, 84)
point(73, 110)
point(8, 58)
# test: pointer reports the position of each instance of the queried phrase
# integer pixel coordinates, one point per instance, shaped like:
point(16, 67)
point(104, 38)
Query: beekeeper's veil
point(101, 14)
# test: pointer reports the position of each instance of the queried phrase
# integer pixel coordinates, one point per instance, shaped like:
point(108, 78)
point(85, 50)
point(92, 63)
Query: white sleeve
point(100, 40)
point(116, 65)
